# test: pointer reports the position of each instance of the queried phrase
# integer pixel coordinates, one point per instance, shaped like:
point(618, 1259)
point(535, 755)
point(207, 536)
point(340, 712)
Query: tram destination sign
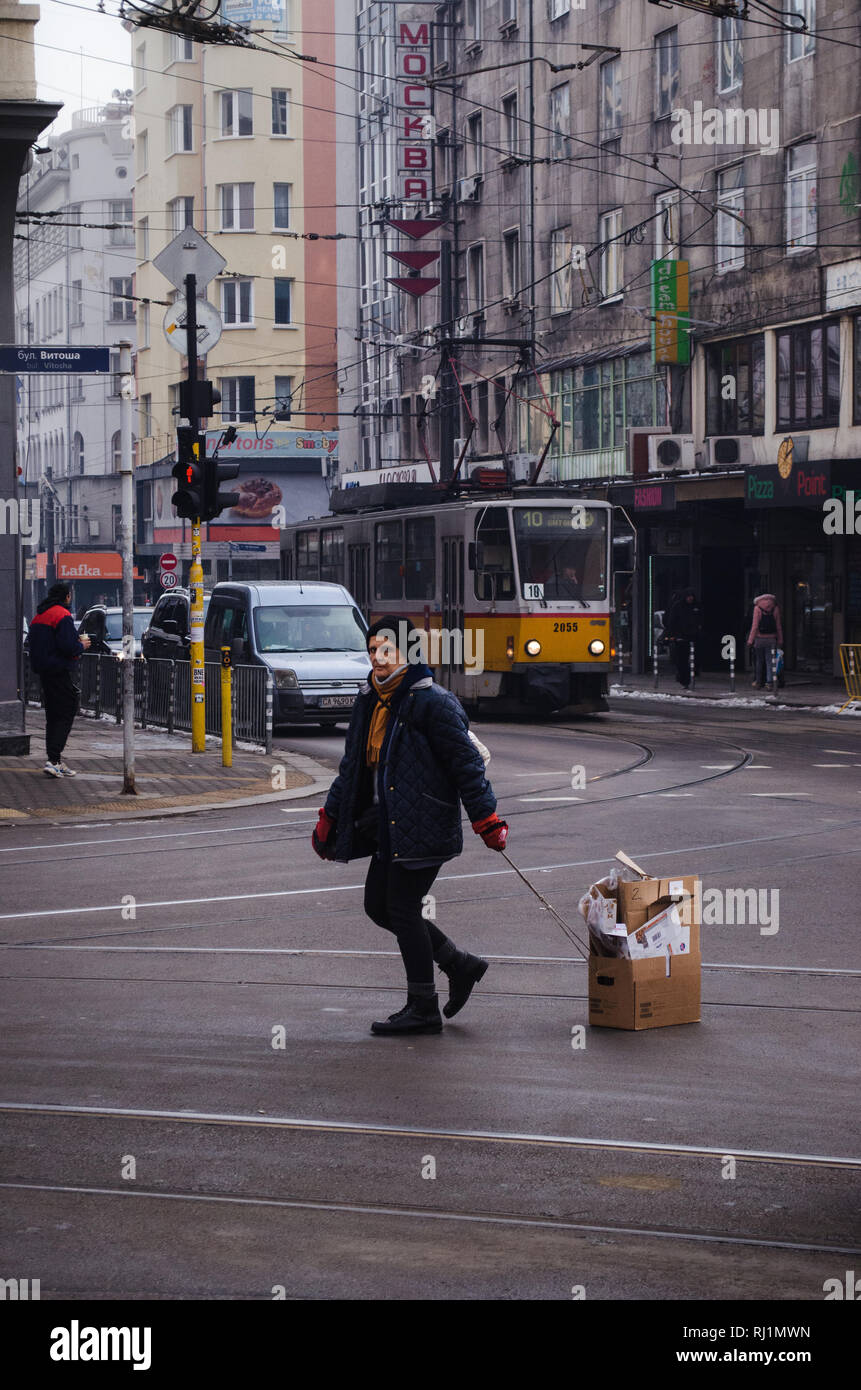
point(31, 358)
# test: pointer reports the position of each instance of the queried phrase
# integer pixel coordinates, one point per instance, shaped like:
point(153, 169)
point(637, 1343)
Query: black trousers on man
point(60, 698)
point(393, 899)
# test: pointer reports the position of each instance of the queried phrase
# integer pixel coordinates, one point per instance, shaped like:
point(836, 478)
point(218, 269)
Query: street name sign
point(31, 358)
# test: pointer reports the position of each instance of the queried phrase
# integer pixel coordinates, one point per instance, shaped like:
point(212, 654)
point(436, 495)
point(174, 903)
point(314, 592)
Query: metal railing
point(163, 695)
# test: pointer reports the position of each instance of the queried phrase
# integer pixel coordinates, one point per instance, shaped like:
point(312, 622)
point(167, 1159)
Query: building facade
point(74, 269)
point(665, 137)
point(240, 143)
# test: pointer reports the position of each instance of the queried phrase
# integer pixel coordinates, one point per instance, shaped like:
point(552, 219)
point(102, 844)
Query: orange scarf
point(379, 719)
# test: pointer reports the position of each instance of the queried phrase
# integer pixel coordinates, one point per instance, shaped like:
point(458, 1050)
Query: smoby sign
point(275, 443)
point(414, 118)
point(805, 485)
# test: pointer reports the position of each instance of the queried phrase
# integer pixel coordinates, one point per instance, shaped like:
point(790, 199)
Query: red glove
point(322, 831)
point(493, 831)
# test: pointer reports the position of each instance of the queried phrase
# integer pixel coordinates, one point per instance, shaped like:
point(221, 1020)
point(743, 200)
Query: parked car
point(168, 636)
point(104, 627)
point(310, 635)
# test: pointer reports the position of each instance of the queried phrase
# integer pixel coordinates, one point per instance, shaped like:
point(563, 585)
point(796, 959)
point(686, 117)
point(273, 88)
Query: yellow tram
point(513, 591)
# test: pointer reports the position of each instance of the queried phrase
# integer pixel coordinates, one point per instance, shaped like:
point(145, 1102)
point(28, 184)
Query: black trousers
point(682, 660)
point(60, 697)
point(393, 899)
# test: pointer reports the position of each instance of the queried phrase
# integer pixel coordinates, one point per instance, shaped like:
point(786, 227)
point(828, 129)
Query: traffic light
point(197, 399)
point(188, 500)
point(214, 475)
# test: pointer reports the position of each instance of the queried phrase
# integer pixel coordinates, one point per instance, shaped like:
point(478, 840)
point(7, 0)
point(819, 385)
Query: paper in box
point(652, 991)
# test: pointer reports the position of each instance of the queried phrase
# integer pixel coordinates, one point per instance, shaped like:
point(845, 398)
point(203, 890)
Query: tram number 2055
point(564, 627)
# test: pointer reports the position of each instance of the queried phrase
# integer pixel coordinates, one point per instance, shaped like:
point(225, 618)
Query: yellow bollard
point(226, 709)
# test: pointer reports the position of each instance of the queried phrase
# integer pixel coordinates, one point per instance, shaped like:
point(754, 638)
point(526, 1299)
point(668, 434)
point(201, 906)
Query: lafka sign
point(415, 121)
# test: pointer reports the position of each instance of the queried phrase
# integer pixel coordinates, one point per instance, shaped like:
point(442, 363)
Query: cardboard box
point(656, 991)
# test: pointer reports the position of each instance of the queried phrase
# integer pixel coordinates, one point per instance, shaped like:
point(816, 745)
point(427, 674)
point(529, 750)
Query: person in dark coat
point(54, 648)
point(408, 763)
point(683, 625)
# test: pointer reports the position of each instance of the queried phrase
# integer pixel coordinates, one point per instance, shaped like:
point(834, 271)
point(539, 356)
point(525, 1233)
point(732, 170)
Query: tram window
point(570, 562)
point(307, 555)
point(494, 565)
point(420, 566)
point(389, 560)
point(332, 555)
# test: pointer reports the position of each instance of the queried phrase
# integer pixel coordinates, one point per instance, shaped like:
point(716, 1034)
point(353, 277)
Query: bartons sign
point(414, 117)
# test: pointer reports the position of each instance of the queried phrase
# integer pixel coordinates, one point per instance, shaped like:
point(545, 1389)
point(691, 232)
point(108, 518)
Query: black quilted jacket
point(427, 767)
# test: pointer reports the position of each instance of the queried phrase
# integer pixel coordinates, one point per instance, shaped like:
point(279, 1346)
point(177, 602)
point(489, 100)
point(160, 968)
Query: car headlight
point(533, 647)
point(597, 647)
point(286, 680)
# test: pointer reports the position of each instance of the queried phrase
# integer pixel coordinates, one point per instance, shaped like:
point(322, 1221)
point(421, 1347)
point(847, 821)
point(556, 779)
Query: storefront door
point(810, 604)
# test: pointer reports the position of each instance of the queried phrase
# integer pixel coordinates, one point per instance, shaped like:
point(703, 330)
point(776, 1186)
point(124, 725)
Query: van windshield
point(114, 624)
point(323, 628)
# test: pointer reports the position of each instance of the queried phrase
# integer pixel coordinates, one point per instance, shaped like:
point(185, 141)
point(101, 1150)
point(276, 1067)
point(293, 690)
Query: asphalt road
point(157, 1144)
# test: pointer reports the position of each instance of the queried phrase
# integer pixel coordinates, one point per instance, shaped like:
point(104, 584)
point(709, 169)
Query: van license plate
point(336, 701)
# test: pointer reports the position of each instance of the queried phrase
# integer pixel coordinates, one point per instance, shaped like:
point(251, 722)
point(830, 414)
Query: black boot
point(420, 1014)
point(464, 972)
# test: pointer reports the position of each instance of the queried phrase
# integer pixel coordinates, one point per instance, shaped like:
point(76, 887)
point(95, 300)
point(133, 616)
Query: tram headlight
point(533, 647)
point(597, 647)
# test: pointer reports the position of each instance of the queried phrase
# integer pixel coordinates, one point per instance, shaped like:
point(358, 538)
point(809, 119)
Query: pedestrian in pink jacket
point(765, 636)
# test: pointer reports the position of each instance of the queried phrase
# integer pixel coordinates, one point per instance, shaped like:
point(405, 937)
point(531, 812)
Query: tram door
point(451, 647)
point(359, 577)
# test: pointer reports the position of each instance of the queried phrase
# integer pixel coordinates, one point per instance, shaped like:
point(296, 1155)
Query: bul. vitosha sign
point(414, 119)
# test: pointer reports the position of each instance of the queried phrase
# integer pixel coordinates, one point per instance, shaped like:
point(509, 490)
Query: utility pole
point(127, 497)
point(195, 577)
point(447, 397)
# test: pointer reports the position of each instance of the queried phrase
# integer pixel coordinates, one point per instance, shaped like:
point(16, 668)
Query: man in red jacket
point(54, 647)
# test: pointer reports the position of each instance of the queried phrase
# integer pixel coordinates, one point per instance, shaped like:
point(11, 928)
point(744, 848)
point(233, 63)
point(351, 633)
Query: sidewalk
point(170, 779)
point(801, 691)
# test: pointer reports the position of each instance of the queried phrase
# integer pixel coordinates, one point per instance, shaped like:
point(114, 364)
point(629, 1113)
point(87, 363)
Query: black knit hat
point(391, 623)
point(59, 593)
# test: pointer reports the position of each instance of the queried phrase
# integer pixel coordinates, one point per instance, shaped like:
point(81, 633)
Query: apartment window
point(441, 36)
point(808, 376)
point(283, 396)
point(666, 72)
point(145, 415)
point(508, 12)
point(76, 302)
point(729, 248)
point(735, 386)
point(729, 55)
point(802, 42)
point(140, 67)
point(143, 238)
point(180, 49)
point(283, 300)
point(122, 304)
point(611, 99)
point(236, 201)
point(856, 329)
point(475, 278)
point(77, 460)
point(560, 121)
point(73, 213)
point(281, 206)
point(236, 113)
point(143, 325)
point(473, 141)
point(280, 111)
point(510, 124)
point(472, 21)
point(443, 159)
point(237, 308)
point(668, 206)
point(181, 214)
point(142, 147)
point(610, 227)
point(121, 211)
point(560, 265)
point(116, 452)
point(801, 196)
point(116, 374)
point(179, 125)
point(237, 398)
point(557, 8)
point(511, 263)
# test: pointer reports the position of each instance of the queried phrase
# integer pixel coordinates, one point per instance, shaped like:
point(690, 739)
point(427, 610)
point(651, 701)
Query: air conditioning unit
point(469, 189)
point(522, 466)
point(728, 451)
point(638, 447)
point(671, 452)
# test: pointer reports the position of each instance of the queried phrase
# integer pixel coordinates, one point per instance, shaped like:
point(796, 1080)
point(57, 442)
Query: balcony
point(593, 463)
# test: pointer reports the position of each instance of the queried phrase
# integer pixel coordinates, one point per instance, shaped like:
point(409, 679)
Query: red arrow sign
point(416, 228)
point(415, 287)
point(414, 260)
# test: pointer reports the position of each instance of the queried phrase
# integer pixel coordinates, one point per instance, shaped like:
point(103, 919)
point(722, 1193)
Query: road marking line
point(830, 764)
point(550, 798)
point(773, 794)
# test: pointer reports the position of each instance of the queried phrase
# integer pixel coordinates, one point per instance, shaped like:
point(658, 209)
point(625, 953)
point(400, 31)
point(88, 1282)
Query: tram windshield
point(562, 551)
point(321, 628)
